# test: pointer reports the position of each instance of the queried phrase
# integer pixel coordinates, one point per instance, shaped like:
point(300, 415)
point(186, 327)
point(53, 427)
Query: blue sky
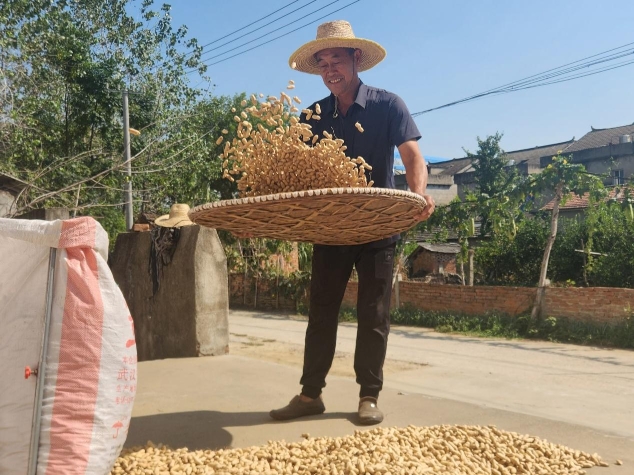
point(442, 51)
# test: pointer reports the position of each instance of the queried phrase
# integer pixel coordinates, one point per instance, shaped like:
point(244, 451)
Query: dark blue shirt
point(386, 124)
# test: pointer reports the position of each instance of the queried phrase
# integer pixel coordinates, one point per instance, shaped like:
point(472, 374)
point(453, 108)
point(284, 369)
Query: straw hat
point(177, 218)
point(336, 34)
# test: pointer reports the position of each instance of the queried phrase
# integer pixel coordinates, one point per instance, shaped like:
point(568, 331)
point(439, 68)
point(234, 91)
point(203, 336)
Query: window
point(617, 177)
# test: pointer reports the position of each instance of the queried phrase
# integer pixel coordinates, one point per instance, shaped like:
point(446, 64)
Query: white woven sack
point(90, 379)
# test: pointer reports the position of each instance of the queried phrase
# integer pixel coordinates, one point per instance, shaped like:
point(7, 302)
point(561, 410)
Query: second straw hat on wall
point(177, 218)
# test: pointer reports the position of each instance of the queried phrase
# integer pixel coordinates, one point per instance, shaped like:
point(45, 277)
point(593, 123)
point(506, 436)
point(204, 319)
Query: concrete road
point(587, 386)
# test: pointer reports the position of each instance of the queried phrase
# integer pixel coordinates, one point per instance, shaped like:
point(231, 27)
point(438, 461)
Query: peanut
point(275, 153)
point(443, 450)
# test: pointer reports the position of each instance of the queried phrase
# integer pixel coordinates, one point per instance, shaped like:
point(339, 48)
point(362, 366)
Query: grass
point(561, 330)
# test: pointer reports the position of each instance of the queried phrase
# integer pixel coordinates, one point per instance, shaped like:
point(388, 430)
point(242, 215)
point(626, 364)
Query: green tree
point(614, 242)
point(493, 177)
point(495, 201)
point(64, 65)
point(508, 259)
point(457, 217)
point(564, 178)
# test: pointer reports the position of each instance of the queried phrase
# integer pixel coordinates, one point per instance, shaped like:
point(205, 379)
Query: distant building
point(456, 178)
point(10, 188)
point(604, 151)
point(527, 161)
point(576, 205)
point(433, 259)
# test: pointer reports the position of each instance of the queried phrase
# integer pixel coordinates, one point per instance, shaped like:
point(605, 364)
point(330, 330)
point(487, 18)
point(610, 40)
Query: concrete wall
point(188, 315)
point(625, 163)
point(443, 195)
point(7, 203)
point(596, 304)
point(46, 214)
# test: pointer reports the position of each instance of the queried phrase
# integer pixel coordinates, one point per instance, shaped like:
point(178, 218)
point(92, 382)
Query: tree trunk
point(586, 253)
point(471, 271)
point(74, 214)
point(395, 282)
point(541, 290)
point(277, 284)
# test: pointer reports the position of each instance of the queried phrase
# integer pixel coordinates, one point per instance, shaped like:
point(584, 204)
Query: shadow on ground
point(203, 430)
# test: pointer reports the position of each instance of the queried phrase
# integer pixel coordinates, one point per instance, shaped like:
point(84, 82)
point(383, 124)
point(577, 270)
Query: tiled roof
point(529, 156)
point(581, 202)
point(442, 248)
point(573, 202)
point(601, 137)
point(532, 155)
point(451, 167)
point(430, 236)
point(11, 184)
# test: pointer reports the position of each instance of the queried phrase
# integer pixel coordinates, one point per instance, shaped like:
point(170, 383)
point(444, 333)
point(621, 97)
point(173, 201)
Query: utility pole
point(127, 194)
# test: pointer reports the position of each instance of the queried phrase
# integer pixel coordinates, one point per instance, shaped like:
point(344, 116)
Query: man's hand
point(429, 208)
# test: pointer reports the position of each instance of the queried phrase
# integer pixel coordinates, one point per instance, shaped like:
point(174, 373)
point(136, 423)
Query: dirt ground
point(293, 355)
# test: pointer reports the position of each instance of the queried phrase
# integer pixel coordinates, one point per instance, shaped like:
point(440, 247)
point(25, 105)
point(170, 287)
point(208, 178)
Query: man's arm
point(416, 174)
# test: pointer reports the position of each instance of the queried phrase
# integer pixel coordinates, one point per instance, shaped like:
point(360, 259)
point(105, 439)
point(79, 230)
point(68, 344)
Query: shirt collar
point(362, 97)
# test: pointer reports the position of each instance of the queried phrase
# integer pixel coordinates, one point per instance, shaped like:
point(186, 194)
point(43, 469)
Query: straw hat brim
point(334, 216)
point(304, 60)
point(176, 222)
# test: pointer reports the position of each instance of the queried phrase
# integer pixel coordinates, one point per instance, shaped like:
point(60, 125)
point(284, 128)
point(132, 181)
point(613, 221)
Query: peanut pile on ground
point(437, 450)
point(273, 152)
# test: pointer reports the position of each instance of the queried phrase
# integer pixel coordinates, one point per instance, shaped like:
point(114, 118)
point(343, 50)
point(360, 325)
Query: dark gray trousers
point(331, 269)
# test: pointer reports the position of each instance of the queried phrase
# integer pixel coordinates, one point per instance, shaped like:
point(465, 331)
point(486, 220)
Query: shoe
point(369, 412)
point(298, 408)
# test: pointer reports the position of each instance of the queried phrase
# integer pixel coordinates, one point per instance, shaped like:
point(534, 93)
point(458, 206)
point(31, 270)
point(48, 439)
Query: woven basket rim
point(335, 216)
point(307, 193)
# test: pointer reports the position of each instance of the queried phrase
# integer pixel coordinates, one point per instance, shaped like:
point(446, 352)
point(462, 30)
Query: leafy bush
point(508, 260)
point(604, 229)
point(562, 330)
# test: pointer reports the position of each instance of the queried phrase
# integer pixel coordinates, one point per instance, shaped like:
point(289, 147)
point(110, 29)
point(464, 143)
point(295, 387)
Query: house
point(576, 205)
point(10, 188)
point(527, 161)
point(441, 187)
point(430, 258)
point(607, 152)
point(456, 178)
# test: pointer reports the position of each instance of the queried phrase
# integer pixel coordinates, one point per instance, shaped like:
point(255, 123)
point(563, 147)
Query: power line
point(277, 37)
point(590, 73)
point(562, 66)
point(542, 79)
point(257, 29)
point(273, 31)
point(253, 23)
point(183, 55)
point(563, 72)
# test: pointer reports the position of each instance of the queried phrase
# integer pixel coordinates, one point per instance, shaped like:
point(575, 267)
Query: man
point(371, 122)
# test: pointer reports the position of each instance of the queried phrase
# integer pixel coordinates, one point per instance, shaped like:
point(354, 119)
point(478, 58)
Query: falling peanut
point(274, 152)
point(358, 126)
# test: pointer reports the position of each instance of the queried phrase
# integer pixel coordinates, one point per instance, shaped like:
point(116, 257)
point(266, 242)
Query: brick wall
point(593, 303)
point(267, 297)
point(601, 304)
